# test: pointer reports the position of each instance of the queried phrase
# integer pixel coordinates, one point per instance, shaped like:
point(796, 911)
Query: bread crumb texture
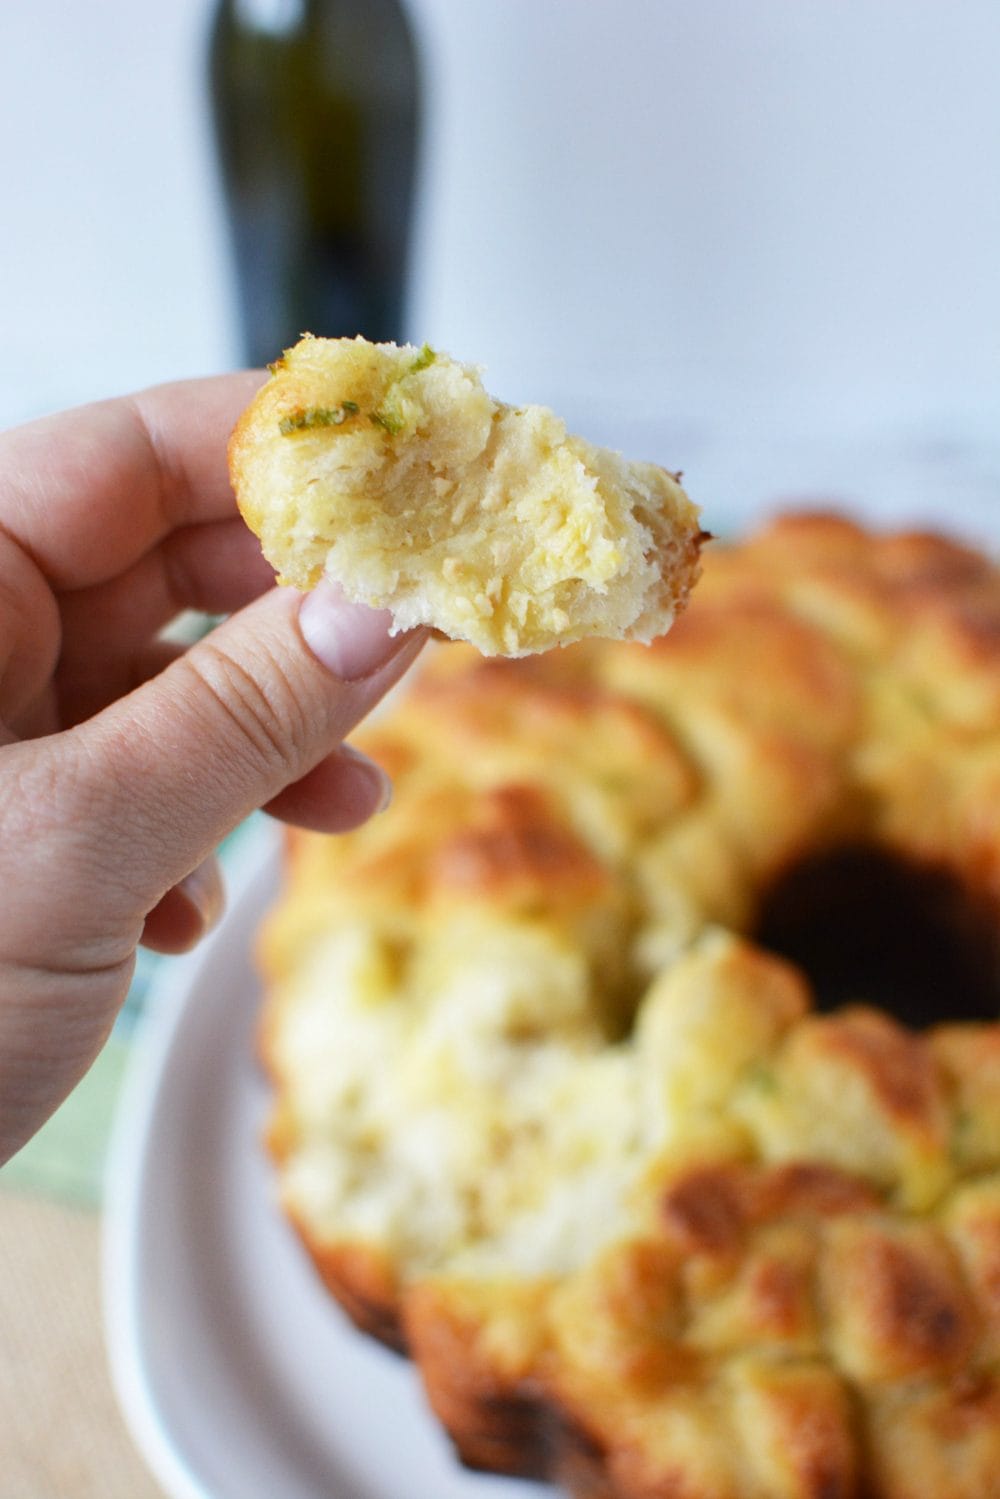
point(548, 1115)
point(392, 471)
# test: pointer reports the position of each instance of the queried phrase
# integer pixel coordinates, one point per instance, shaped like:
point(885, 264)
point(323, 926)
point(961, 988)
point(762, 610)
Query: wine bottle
point(315, 106)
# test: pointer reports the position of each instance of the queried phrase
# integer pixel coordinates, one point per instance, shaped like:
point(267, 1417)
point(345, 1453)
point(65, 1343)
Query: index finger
point(89, 491)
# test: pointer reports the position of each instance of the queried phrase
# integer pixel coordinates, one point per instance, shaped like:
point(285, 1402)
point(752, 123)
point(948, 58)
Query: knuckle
point(39, 795)
point(263, 708)
point(66, 899)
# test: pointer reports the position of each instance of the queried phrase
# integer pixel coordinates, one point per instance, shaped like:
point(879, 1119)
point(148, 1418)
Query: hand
point(123, 759)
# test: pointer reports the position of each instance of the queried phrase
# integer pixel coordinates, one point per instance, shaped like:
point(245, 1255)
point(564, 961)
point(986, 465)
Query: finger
point(188, 910)
point(98, 824)
point(341, 793)
point(127, 804)
point(29, 630)
point(215, 568)
point(338, 794)
point(95, 684)
point(88, 492)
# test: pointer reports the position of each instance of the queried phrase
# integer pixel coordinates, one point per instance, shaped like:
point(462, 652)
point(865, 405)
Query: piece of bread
point(555, 1105)
point(393, 472)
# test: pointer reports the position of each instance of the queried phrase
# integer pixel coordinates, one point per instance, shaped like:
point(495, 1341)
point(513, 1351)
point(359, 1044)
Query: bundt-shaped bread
point(663, 1204)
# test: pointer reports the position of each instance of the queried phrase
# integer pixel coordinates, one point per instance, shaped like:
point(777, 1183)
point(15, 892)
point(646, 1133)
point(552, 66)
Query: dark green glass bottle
point(315, 106)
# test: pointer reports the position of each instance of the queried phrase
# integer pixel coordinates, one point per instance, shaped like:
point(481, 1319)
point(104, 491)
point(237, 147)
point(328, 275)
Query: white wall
point(755, 206)
point(113, 268)
point(758, 238)
point(755, 239)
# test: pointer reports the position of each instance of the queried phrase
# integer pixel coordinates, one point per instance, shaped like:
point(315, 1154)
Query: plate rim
point(124, 1177)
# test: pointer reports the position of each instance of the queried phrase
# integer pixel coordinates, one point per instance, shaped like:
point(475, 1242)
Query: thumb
point(155, 781)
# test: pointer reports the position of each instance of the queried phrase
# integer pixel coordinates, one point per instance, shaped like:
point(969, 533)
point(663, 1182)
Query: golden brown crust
point(546, 1112)
point(478, 1380)
point(361, 1277)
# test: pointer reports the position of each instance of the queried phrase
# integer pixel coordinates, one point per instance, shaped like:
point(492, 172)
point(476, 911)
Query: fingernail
point(204, 889)
point(376, 776)
point(351, 640)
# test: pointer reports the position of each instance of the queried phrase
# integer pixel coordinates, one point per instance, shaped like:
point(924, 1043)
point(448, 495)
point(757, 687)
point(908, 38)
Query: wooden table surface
point(61, 1433)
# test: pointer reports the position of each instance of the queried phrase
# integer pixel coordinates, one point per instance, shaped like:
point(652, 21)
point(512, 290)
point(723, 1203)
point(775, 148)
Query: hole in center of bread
point(868, 925)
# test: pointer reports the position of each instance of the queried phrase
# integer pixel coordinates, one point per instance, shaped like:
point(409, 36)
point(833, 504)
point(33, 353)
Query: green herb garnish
point(426, 357)
point(392, 415)
point(389, 420)
point(317, 416)
point(761, 1077)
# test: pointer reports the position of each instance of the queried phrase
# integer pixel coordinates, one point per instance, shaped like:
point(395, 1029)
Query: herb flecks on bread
point(392, 471)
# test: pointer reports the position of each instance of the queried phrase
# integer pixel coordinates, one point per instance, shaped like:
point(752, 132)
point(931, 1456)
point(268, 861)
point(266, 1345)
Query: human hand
point(124, 759)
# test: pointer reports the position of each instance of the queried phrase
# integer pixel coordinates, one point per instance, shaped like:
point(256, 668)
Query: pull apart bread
point(557, 1108)
point(391, 471)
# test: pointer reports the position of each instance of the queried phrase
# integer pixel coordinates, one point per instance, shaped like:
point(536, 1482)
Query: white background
point(113, 265)
point(755, 239)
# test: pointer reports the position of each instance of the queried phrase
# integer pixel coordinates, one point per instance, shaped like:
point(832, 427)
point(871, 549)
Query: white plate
point(237, 1374)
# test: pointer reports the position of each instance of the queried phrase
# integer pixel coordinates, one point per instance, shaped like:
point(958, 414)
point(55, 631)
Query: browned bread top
point(557, 1104)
